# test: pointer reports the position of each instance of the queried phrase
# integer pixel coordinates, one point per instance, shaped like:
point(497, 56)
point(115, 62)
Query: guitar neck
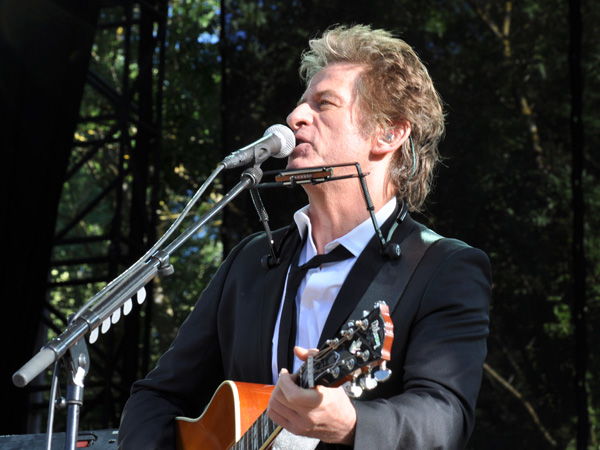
point(236, 416)
point(363, 345)
point(259, 436)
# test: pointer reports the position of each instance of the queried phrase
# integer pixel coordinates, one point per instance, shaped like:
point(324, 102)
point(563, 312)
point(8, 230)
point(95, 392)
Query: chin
point(303, 156)
point(297, 163)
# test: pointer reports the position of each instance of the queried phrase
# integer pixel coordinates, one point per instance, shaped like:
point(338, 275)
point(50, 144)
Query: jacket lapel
point(360, 278)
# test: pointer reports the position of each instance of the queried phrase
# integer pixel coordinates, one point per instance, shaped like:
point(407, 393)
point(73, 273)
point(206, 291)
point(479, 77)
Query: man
point(369, 100)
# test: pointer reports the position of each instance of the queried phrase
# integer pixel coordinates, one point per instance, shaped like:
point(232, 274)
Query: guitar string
point(263, 424)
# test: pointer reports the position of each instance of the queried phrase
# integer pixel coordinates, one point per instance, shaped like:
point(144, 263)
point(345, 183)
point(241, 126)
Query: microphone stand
point(105, 308)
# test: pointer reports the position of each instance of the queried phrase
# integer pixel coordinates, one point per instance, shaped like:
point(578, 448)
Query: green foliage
point(506, 188)
point(505, 184)
point(103, 156)
point(191, 123)
point(175, 296)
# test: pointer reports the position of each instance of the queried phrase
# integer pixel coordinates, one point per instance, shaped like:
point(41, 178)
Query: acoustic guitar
point(236, 418)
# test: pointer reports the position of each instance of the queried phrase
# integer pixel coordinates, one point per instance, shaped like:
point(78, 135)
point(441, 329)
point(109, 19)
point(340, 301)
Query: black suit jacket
point(440, 329)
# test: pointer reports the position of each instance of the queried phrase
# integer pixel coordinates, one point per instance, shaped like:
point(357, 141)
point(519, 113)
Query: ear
point(389, 139)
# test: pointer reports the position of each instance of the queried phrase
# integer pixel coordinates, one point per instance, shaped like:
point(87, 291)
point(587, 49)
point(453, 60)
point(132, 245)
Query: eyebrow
point(320, 94)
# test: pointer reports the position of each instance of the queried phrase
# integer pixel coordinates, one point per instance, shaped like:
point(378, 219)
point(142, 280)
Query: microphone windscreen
point(288, 140)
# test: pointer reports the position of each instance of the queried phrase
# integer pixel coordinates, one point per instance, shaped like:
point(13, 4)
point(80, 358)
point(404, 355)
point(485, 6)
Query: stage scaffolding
point(107, 212)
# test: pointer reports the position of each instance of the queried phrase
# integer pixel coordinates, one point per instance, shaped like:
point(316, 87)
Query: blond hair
point(394, 88)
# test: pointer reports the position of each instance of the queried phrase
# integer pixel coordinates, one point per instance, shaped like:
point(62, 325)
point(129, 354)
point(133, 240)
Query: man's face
point(327, 121)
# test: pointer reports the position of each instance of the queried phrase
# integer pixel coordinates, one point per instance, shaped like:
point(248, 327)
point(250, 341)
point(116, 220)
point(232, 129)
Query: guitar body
point(232, 410)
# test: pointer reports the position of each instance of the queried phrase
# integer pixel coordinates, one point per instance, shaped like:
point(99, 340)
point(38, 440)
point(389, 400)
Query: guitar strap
point(391, 281)
point(389, 285)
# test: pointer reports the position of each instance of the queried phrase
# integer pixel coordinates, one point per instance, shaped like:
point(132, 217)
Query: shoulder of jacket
point(258, 243)
point(440, 245)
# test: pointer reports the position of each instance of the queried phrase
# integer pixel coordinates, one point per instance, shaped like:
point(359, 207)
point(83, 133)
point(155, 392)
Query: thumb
point(303, 353)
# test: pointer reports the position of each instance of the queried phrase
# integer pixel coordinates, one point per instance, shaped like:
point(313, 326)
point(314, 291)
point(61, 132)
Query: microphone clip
point(269, 261)
point(390, 249)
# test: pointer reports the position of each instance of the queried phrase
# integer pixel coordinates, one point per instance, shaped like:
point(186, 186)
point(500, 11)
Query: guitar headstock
point(357, 356)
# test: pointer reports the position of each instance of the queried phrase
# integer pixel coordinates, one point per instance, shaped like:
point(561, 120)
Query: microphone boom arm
point(105, 307)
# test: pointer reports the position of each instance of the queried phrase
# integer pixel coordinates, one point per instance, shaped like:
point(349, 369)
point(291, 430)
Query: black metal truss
point(129, 115)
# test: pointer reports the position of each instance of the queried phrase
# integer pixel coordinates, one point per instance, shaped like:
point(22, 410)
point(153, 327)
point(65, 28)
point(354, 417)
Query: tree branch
point(496, 376)
point(503, 35)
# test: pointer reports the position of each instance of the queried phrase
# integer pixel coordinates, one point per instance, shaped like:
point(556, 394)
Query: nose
point(301, 115)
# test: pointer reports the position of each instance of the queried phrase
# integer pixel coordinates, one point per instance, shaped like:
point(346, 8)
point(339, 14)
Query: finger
point(288, 417)
point(303, 353)
point(279, 409)
point(276, 417)
point(294, 397)
point(286, 391)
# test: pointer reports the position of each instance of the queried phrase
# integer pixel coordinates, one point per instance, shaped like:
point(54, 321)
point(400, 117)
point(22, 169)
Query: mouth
point(300, 141)
point(301, 149)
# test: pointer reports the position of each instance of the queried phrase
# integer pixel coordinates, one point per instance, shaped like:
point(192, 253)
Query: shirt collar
point(355, 240)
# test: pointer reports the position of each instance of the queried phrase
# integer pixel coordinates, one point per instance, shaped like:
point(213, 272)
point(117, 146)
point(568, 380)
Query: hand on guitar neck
point(323, 413)
point(250, 416)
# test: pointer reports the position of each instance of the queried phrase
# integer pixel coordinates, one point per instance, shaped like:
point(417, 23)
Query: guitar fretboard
point(358, 347)
point(259, 435)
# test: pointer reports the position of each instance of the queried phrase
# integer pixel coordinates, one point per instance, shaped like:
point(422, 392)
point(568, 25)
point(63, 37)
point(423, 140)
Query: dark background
point(114, 113)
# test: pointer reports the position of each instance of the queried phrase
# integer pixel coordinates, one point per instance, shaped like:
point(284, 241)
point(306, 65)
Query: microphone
point(278, 141)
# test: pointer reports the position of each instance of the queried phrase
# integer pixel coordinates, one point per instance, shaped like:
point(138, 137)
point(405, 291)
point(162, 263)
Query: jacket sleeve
point(441, 325)
point(184, 377)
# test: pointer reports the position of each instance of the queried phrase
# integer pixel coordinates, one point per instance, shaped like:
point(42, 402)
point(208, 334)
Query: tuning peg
point(353, 390)
point(349, 363)
point(334, 371)
point(364, 355)
point(347, 333)
point(383, 373)
point(362, 324)
point(368, 382)
point(380, 303)
point(333, 343)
